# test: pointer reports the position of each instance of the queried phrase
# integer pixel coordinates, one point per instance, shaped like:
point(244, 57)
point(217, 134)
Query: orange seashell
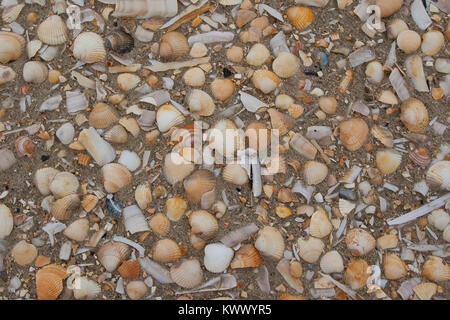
point(129, 269)
point(102, 116)
point(89, 202)
point(356, 274)
point(49, 282)
point(111, 254)
point(159, 224)
point(84, 159)
point(420, 156)
point(166, 250)
point(25, 146)
point(198, 184)
point(353, 133)
point(246, 257)
point(300, 17)
point(288, 296)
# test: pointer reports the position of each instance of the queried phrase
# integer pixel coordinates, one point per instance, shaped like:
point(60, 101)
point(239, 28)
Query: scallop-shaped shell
point(434, 269)
point(194, 77)
point(49, 282)
point(265, 80)
point(394, 28)
point(258, 135)
point(331, 262)
point(35, 72)
point(64, 208)
point(64, 184)
point(167, 117)
point(394, 267)
point(235, 54)
point(175, 208)
point(159, 224)
point(166, 250)
point(176, 168)
point(414, 115)
point(115, 177)
point(11, 13)
point(203, 224)
point(425, 290)
point(7, 159)
point(25, 146)
point(328, 104)
point(356, 275)
point(53, 31)
point(24, 253)
point(134, 220)
point(102, 116)
point(88, 47)
point(432, 42)
point(310, 249)
point(136, 289)
point(187, 273)
point(270, 242)
point(12, 46)
point(217, 257)
point(119, 41)
point(320, 226)
point(173, 45)
point(200, 103)
point(280, 121)
point(247, 256)
point(420, 156)
point(438, 175)
point(222, 89)
point(111, 254)
point(257, 55)
point(85, 288)
point(286, 64)
point(198, 184)
point(359, 242)
point(129, 269)
point(383, 135)
point(315, 172)
point(116, 134)
point(143, 195)
point(300, 17)
point(6, 221)
point(388, 160)
point(353, 133)
point(77, 230)
point(42, 179)
point(234, 173)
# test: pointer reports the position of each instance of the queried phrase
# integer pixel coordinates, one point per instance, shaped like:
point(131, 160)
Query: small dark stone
point(347, 194)
point(45, 157)
point(114, 207)
point(310, 72)
point(227, 73)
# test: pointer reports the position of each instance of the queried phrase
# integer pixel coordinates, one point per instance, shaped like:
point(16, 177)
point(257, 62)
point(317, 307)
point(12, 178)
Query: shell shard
point(143, 9)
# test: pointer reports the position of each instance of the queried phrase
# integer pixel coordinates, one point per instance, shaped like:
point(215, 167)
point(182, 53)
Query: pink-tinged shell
point(25, 146)
point(420, 156)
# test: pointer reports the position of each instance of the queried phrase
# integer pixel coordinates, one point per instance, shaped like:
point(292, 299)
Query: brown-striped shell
point(25, 146)
point(300, 17)
point(102, 116)
point(353, 133)
point(65, 207)
point(420, 156)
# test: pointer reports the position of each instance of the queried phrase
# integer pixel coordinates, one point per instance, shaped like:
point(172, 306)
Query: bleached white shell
point(167, 117)
point(235, 174)
point(217, 257)
point(85, 288)
point(134, 220)
point(6, 221)
point(35, 72)
point(439, 219)
point(89, 47)
point(42, 179)
point(66, 133)
point(77, 230)
point(257, 55)
point(374, 72)
point(64, 184)
point(332, 262)
point(432, 42)
point(320, 226)
point(130, 160)
point(311, 249)
point(438, 175)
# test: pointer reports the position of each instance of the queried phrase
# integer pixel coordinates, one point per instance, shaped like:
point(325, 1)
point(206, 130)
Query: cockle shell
point(265, 80)
point(200, 102)
point(111, 254)
point(7, 74)
point(77, 230)
point(64, 208)
point(388, 7)
point(356, 274)
point(6, 221)
point(173, 45)
point(432, 42)
point(225, 138)
point(12, 46)
point(166, 250)
point(420, 156)
point(88, 47)
point(222, 89)
point(235, 54)
point(310, 249)
point(388, 241)
point(64, 184)
point(24, 253)
point(175, 208)
point(434, 269)
point(85, 288)
point(129, 269)
point(136, 289)
point(235, 174)
point(187, 273)
point(42, 179)
point(353, 133)
point(258, 135)
point(359, 242)
point(119, 41)
point(194, 77)
point(425, 290)
point(280, 121)
point(217, 257)
point(159, 224)
point(300, 17)
point(247, 256)
point(286, 64)
point(134, 220)
point(102, 116)
point(128, 81)
point(331, 262)
point(53, 31)
point(408, 41)
point(383, 135)
point(438, 175)
point(143, 195)
point(270, 242)
point(176, 168)
point(315, 172)
point(284, 101)
point(7, 159)
point(116, 134)
point(167, 117)
point(388, 160)
point(12, 12)
point(115, 177)
point(199, 184)
point(414, 115)
point(328, 104)
point(35, 72)
point(320, 226)
point(257, 55)
point(203, 224)
point(49, 282)
point(394, 267)
point(24, 146)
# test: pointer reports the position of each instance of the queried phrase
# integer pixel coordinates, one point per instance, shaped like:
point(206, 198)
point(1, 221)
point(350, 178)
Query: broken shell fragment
point(111, 254)
point(77, 230)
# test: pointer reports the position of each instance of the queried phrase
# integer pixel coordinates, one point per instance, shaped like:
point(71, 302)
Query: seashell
point(197, 242)
point(173, 45)
point(129, 160)
point(116, 134)
point(388, 241)
point(302, 146)
point(102, 116)
point(159, 224)
point(283, 101)
point(143, 195)
point(7, 159)
point(128, 81)
point(432, 42)
point(286, 195)
point(244, 16)
point(408, 41)
point(331, 262)
point(134, 220)
point(89, 202)
point(388, 7)
point(129, 269)
point(6, 221)
point(136, 289)
point(235, 54)
point(175, 208)
point(194, 77)
point(353, 133)
point(24, 253)
point(388, 160)
point(425, 290)
point(147, 120)
point(320, 226)
point(167, 117)
point(203, 224)
point(395, 27)
point(111, 254)
point(234, 173)
point(99, 149)
point(64, 208)
point(217, 257)
point(143, 9)
point(24, 146)
point(187, 273)
point(115, 177)
point(300, 17)
point(131, 125)
point(12, 12)
point(265, 80)
point(257, 55)
point(328, 105)
point(35, 72)
point(280, 121)
point(434, 269)
point(356, 274)
point(85, 288)
point(49, 282)
point(88, 47)
point(387, 97)
point(247, 256)
point(66, 133)
point(359, 242)
point(394, 267)
point(12, 46)
point(77, 230)
point(200, 102)
point(438, 175)
point(198, 50)
point(345, 207)
point(225, 138)
point(439, 219)
point(374, 72)
point(42, 179)
point(176, 168)
point(420, 156)
point(311, 249)
point(442, 65)
point(166, 250)
point(53, 31)
point(222, 89)
point(286, 64)
point(383, 135)
point(119, 41)
point(64, 184)
point(258, 135)
point(198, 184)
point(314, 172)
point(7, 74)
point(270, 242)
point(414, 69)
point(414, 115)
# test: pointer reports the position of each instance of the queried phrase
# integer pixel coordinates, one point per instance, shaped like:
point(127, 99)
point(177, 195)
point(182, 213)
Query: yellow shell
point(300, 17)
point(12, 46)
point(102, 116)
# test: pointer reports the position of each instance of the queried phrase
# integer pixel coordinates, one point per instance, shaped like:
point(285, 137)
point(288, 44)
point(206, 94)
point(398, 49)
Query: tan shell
point(258, 135)
point(128, 81)
point(234, 173)
point(111, 254)
point(388, 241)
point(24, 253)
point(388, 7)
point(35, 72)
point(11, 13)
point(394, 267)
point(116, 134)
point(359, 242)
point(310, 249)
point(115, 177)
point(42, 179)
point(425, 290)
point(286, 64)
point(387, 97)
point(280, 121)
point(49, 282)
point(89, 202)
point(434, 269)
point(247, 256)
point(12, 46)
point(356, 275)
point(320, 226)
point(383, 135)
point(64, 184)
point(143, 195)
point(395, 27)
point(265, 80)
point(353, 133)
point(438, 175)
point(432, 42)
point(235, 54)
point(176, 168)
point(175, 208)
point(85, 288)
point(414, 115)
point(136, 289)
point(53, 31)
point(64, 208)
point(194, 77)
point(328, 104)
point(388, 160)
point(315, 172)
point(102, 116)
point(89, 47)
point(257, 55)
point(166, 250)
point(173, 45)
point(408, 41)
point(77, 230)
point(25, 146)
point(200, 103)
point(300, 17)
point(270, 242)
point(129, 269)
point(331, 262)
point(187, 273)
point(222, 89)
point(203, 224)
point(6, 221)
point(159, 224)
point(198, 184)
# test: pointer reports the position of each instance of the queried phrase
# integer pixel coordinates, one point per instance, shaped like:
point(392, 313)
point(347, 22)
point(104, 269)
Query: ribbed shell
point(187, 273)
point(420, 156)
point(353, 133)
point(111, 254)
point(102, 116)
point(53, 31)
point(167, 117)
point(88, 47)
point(438, 175)
point(49, 282)
point(115, 177)
point(166, 250)
point(235, 174)
point(116, 134)
point(203, 224)
point(270, 242)
point(160, 224)
point(247, 256)
point(315, 172)
point(300, 17)
point(129, 269)
point(198, 184)
point(65, 207)
point(12, 46)
point(173, 45)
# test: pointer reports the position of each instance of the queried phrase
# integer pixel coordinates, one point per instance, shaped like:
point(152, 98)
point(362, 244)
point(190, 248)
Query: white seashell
point(442, 65)
point(257, 55)
point(115, 177)
point(388, 160)
point(143, 195)
point(286, 64)
point(438, 175)
point(42, 179)
point(130, 160)
point(7, 159)
point(200, 102)
point(211, 37)
point(6, 221)
point(432, 42)
point(167, 117)
point(320, 226)
point(89, 47)
point(359, 242)
point(217, 257)
point(446, 234)
point(35, 72)
point(176, 168)
point(394, 267)
point(136, 289)
point(194, 77)
point(64, 184)
point(143, 35)
point(11, 13)
point(53, 31)
point(235, 174)
point(270, 242)
point(99, 149)
point(331, 262)
point(77, 230)
point(49, 53)
point(311, 249)
point(439, 219)
point(66, 133)
point(134, 220)
point(85, 288)
point(187, 273)
point(374, 72)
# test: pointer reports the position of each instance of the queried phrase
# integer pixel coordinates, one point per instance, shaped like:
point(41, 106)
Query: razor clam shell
point(399, 85)
point(420, 15)
point(223, 282)
point(152, 8)
point(360, 56)
point(161, 67)
point(160, 273)
point(235, 237)
point(211, 37)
